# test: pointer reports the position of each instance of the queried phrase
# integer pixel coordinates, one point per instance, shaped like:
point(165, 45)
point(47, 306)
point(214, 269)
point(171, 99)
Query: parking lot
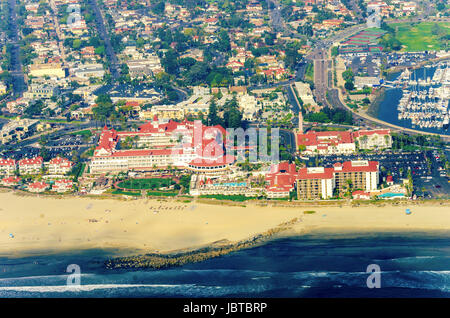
point(70, 141)
point(62, 146)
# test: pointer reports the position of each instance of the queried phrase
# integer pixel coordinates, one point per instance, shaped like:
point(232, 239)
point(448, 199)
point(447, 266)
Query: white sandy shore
point(42, 225)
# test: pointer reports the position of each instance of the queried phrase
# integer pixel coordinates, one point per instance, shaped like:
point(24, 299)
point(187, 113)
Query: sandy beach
point(42, 225)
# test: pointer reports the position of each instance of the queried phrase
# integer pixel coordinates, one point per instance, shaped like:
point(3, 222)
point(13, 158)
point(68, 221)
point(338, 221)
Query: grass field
point(309, 73)
point(162, 194)
point(145, 184)
point(85, 132)
point(126, 193)
point(418, 37)
point(238, 198)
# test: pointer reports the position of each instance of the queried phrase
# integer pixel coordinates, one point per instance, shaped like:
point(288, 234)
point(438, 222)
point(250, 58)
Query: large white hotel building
point(188, 145)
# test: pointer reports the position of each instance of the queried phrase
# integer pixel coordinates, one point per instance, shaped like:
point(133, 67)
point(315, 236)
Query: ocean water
point(317, 265)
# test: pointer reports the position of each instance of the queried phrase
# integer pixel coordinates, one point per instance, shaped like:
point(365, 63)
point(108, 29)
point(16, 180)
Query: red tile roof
point(359, 193)
point(31, 161)
point(63, 181)
point(307, 173)
point(359, 133)
point(38, 185)
point(11, 180)
point(281, 177)
point(284, 167)
point(62, 162)
point(324, 138)
point(362, 165)
point(7, 162)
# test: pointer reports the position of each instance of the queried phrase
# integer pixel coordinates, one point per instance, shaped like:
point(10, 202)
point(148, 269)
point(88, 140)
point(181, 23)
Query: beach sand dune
point(40, 225)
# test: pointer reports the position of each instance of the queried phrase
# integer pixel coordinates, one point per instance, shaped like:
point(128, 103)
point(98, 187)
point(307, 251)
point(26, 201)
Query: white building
point(31, 166)
point(7, 166)
point(59, 165)
point(371, 139)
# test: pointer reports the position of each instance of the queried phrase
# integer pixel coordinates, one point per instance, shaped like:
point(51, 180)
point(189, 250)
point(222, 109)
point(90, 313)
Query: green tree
point(213, 119)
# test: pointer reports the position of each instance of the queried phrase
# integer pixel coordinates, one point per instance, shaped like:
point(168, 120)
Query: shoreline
point(43, 225)
point(182, 257)
point(417, 66)
point(374, 107)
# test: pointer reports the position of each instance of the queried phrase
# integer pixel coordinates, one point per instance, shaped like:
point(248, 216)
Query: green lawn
point(418, 37)
point(85, 132)
point(238, 198)
point(162, 194)
point(126, 192)
point(146, 184)
point(309, 73)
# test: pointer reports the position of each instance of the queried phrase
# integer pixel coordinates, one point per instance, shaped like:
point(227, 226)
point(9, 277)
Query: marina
point(419, 99)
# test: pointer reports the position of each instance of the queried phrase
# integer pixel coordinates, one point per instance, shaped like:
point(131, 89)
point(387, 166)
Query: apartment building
point(7, 166)
point(59, 165)
point(88, 71)
point(10, 181)
point(49, 69)
point(38, 187)
point(62, 185)
point(30, 165)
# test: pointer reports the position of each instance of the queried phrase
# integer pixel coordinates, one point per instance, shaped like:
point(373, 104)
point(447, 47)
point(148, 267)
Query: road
point(58, 32)
point(319, 56)
point(276, 20)
point(16, 71)
point(111, 57)
point(287, 138)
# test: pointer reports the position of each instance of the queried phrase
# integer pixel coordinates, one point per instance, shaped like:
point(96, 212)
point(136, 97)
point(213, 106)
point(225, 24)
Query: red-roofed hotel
point(186, 145)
